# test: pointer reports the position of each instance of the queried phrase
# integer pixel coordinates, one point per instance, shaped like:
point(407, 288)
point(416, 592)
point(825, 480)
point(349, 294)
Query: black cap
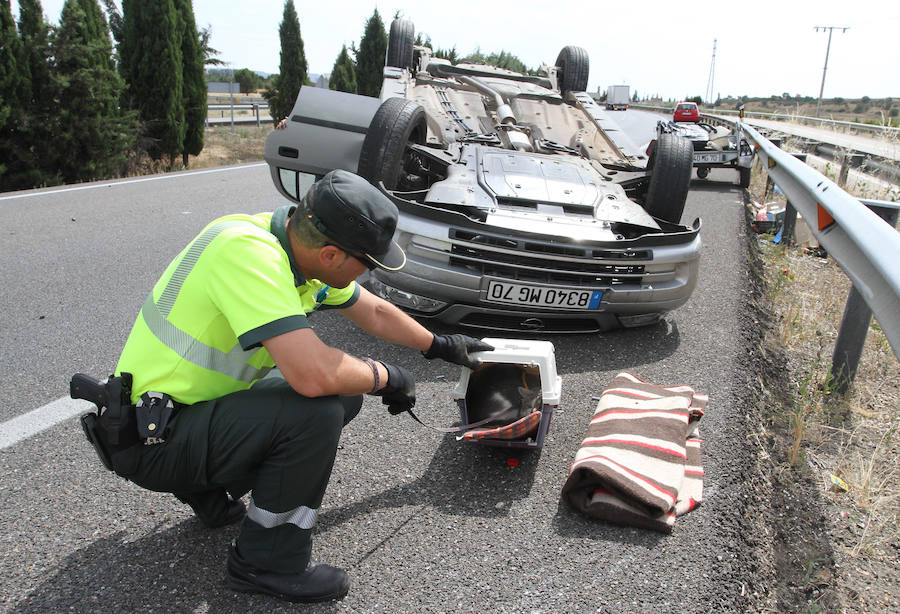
point(356, 216)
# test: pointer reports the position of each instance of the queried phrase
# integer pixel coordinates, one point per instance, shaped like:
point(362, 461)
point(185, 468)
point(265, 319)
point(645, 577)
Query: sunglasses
point(360, 257)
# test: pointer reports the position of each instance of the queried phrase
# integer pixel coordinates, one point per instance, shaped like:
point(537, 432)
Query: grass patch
point(223, 147)
point(843, 448)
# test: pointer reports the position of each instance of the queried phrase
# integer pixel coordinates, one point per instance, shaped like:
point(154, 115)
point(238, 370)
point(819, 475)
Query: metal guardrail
point(834, 123)
point(891, 131)
point(864, 243)
point(231, 108)
point(244, 107)
point(869, 164)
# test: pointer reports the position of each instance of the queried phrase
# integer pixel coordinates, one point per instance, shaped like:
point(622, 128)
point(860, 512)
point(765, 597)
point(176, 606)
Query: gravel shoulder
point(828, 463)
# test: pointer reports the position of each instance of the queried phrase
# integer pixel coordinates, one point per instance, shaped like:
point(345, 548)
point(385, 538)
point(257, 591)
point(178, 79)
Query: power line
point(827, 50)
point(712, 75)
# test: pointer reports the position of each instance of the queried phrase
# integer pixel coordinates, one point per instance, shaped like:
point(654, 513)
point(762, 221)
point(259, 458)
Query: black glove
point(457, 349)
point(399, 394)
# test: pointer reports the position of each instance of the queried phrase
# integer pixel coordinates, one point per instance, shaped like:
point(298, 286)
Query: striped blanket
point(639, 464)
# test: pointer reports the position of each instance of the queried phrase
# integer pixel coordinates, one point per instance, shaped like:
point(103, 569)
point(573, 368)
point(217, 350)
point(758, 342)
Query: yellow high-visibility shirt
point(199, 334)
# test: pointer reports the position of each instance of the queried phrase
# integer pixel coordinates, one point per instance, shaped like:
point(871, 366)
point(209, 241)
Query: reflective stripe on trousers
point(302, 516)
point(233, 363)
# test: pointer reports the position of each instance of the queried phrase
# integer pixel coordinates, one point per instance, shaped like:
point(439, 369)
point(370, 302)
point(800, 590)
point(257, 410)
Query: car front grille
point(553, 263)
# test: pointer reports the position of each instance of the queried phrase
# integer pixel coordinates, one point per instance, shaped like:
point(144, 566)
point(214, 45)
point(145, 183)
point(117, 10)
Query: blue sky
point(763, 47)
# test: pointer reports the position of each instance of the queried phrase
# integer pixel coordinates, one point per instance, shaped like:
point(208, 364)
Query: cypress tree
point(116, 26)
point(343, 74)
point(293, 69)
point(34, 33)
point(194, 82)
point(96, 31)
point(94, 135)
point(150, 62)
point(26, 157)
point(13, 95)
point(370, 59)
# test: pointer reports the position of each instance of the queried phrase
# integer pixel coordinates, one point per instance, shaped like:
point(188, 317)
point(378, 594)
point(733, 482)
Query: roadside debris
point(766, 218)
point(838, 484)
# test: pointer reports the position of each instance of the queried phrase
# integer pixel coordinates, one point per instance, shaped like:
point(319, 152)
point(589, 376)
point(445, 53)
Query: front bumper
point(449, 269)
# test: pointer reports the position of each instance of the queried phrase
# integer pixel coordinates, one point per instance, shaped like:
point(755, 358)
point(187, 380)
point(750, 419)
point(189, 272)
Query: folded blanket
point(639, 464)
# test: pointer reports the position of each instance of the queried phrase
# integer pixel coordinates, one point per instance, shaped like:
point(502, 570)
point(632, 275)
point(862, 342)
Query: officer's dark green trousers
point(268, 440)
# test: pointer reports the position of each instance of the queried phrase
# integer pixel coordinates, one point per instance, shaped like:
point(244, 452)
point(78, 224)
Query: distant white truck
point(617, 97)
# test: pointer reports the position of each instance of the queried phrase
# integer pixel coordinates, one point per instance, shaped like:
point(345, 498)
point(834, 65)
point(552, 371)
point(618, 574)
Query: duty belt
point(117, 429)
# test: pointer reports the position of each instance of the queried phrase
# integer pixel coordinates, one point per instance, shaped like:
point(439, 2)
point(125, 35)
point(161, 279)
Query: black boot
point(214, 508)
point(317, 583)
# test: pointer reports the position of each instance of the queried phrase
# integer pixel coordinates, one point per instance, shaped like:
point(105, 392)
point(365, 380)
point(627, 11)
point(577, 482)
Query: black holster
point(112, 429)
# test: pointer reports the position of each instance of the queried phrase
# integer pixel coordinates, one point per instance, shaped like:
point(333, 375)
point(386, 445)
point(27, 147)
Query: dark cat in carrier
point(503, 392)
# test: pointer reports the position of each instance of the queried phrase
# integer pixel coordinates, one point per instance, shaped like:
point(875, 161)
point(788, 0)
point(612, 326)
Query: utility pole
point(827, 50)
point(712, 75)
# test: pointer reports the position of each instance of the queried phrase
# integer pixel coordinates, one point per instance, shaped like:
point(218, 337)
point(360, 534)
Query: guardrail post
point(789, 224)
point(854, 327)
point(850, 160)
point(256, 110)
point(769, 182)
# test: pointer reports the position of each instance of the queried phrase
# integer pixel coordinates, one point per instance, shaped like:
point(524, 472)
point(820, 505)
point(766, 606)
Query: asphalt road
point(423, 523)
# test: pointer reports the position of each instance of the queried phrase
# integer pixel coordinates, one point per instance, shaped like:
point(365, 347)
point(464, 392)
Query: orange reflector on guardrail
point(824, 218)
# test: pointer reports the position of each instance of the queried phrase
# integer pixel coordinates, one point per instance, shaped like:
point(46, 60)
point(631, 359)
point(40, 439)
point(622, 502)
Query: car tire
point(396, 123)
point(400, 44)
point(572, 69)
point(703, 172)
point(671, 163)
point(745, 176)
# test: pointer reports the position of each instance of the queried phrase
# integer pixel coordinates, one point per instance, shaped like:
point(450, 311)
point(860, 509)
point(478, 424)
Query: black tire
point(670, 177)
point(396, 123)
point(745, 176)
point(400, 44)
point(572, 69)
point(703, 172)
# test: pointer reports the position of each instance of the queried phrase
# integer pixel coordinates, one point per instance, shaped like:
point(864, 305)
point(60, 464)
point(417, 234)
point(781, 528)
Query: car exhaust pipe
point(517, 137)
point(504, 111)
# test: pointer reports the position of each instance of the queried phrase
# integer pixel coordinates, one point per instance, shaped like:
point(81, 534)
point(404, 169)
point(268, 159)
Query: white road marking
point(37, 420)
point(27, 425)
point(95, 186)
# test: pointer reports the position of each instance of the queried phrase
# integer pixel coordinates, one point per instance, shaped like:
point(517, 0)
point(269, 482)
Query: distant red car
point(687, 112)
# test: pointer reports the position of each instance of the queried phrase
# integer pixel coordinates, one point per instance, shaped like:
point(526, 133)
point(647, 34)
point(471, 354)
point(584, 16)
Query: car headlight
point(402, 298)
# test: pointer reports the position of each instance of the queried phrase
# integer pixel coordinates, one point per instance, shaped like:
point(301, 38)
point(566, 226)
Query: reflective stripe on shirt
point(233, 363)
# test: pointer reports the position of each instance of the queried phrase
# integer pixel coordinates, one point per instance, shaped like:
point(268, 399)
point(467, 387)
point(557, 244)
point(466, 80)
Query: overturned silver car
point(522, 205)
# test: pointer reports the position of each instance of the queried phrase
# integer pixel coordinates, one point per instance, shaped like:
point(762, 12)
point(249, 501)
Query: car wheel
point(670, 164)
point(383, 157)
point(745, 176)
point(400, 44)
point(572, 69)
point(703, 172)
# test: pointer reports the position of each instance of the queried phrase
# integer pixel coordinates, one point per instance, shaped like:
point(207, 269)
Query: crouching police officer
point(233, 304)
